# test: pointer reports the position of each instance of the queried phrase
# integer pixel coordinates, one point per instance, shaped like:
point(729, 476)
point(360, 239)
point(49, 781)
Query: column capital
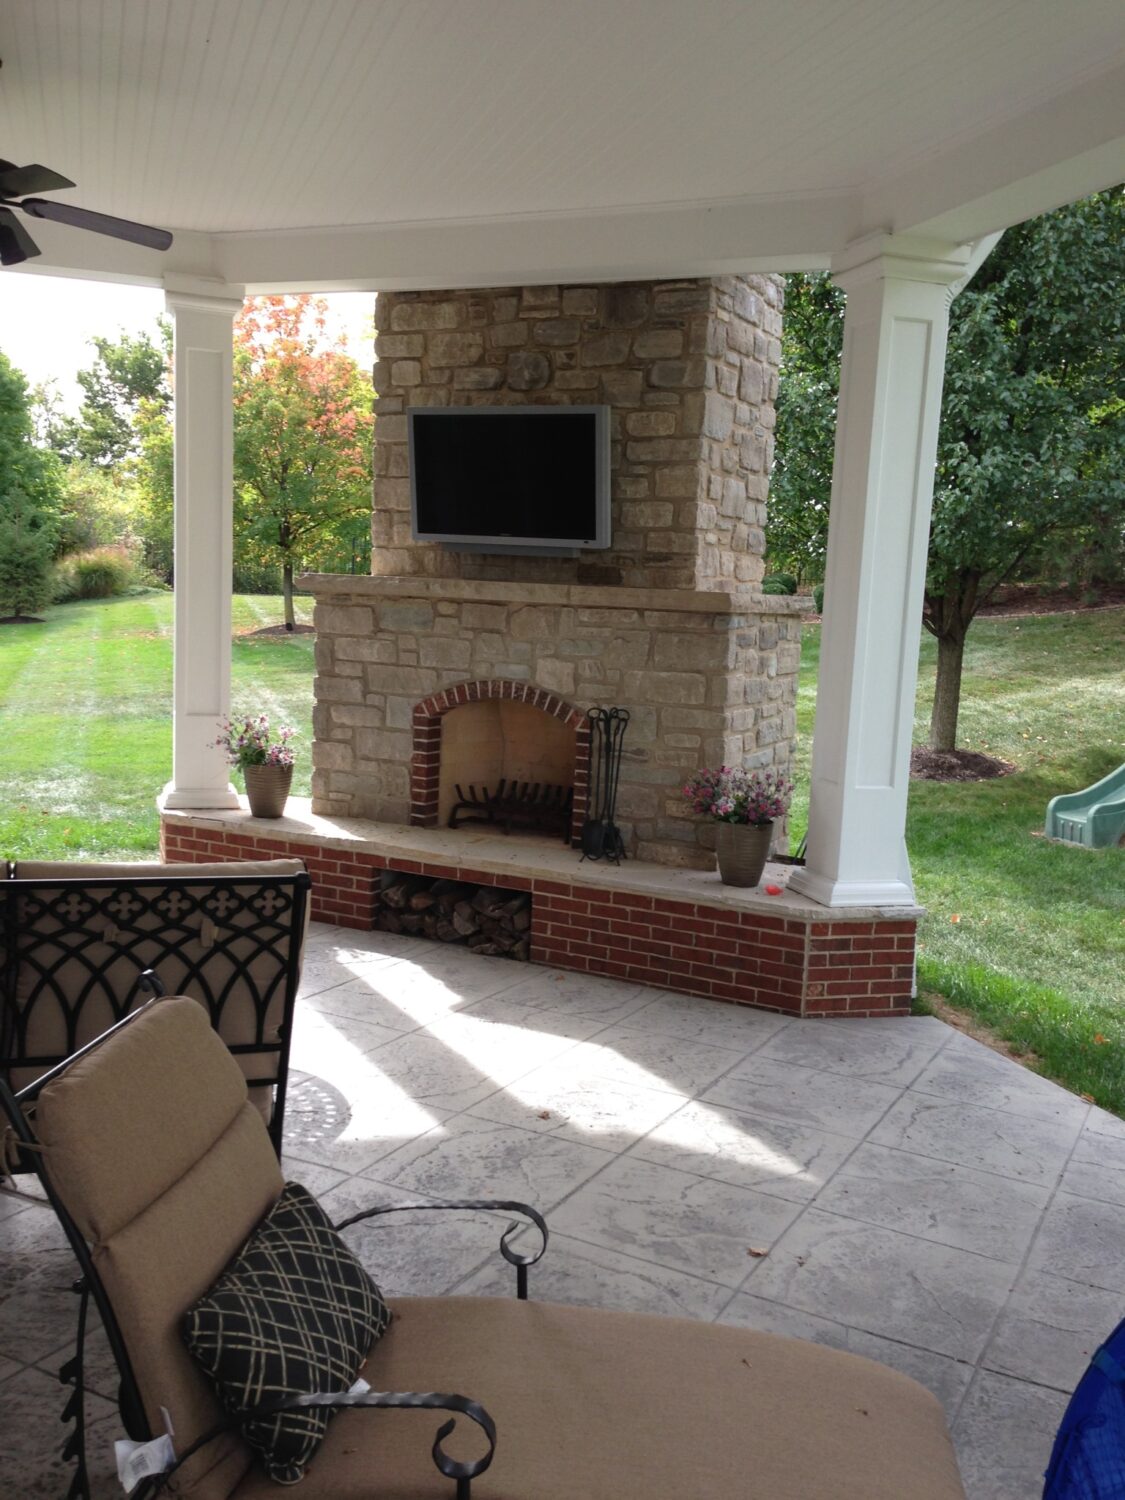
point(883, 256)
point(202, 294)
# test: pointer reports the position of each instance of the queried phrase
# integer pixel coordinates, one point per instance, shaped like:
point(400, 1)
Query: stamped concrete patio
point(889, 1187)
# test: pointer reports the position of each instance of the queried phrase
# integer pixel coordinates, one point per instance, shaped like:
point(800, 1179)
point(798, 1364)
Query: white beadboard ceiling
point(807, 120)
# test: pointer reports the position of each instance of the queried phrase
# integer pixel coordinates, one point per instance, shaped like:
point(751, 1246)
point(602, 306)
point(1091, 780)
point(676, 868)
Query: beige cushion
point(166, 1098)
point(157, 1096)
point(594, 1405)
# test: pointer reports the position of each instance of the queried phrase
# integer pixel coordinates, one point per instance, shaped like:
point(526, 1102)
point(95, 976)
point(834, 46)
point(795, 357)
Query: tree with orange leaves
point(302, 432)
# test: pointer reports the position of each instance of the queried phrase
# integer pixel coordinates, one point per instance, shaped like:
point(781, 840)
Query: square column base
point(187, 798)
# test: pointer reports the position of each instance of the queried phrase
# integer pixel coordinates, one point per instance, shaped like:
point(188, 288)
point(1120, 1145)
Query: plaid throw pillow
point(293, 1314)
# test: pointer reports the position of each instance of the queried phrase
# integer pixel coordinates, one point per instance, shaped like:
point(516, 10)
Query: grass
point(85, 720)
point(1028, 936)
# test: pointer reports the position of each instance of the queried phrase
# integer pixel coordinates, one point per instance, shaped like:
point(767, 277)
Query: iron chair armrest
point(463, 1471)
point(502, 1205)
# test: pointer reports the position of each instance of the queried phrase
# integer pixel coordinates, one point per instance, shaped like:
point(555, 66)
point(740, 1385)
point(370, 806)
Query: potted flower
point(744, 804)
point(265, 763)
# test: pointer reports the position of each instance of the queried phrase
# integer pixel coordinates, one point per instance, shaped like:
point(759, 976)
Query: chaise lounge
point(160, 1169)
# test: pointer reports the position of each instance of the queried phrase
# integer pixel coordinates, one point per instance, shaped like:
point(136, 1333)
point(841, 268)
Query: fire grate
point(516, 804)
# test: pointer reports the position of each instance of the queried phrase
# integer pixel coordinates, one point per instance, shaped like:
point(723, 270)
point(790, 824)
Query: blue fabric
point(1088, 1459)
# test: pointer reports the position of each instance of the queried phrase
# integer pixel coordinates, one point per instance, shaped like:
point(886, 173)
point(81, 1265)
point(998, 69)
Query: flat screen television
point(532, 479)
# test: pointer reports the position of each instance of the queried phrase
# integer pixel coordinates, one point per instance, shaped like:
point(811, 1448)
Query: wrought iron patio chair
point(76, 939)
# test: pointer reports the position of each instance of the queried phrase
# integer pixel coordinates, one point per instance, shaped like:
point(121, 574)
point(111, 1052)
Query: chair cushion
point(295, 1313)
point(162, 1123)
point(624, 1406)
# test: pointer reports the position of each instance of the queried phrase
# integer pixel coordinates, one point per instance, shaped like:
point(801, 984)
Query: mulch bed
point(956, 765)
point(21, 620)
point(278, 630)
point(1031, 599)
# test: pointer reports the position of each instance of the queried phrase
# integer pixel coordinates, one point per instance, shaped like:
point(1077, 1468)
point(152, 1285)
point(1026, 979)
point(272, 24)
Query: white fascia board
point(67, 251)
point(1064, 149)
point(664, 241)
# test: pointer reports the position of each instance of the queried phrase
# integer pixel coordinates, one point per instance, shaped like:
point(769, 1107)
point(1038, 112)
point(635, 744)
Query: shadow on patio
point(892, 1188)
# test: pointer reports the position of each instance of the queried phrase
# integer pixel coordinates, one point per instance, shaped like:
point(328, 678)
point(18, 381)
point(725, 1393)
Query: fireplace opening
point(509, 764)
point(481, 734)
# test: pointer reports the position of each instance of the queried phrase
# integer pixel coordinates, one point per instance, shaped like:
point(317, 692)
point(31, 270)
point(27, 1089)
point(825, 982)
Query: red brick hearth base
point(803, 960)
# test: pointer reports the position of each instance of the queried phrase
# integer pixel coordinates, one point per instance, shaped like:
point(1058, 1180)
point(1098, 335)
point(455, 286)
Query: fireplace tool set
point(601, 837)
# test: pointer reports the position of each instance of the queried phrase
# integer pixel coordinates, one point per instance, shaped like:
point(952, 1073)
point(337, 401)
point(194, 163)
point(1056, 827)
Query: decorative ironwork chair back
point(73, 950)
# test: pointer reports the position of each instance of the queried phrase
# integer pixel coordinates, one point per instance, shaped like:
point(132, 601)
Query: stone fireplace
point(667, 622)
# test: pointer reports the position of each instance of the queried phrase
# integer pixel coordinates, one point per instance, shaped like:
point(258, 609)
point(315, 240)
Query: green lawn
point(1029, 936)
point(85, 720)
point(1038, 945)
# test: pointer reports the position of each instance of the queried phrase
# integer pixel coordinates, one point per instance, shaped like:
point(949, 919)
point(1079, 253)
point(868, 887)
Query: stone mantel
point(583, 596)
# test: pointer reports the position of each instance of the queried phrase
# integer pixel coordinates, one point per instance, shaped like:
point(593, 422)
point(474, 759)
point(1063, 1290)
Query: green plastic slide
point(1095, 817)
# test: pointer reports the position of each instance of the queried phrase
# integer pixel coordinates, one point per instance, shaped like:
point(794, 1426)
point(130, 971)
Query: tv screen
point(499, 478)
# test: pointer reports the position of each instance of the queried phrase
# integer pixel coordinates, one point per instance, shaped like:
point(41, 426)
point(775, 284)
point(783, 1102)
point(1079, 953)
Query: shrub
point(779, 583)
point(26, 543)
point(101, 573)
point(818, 598)
point(252, 576)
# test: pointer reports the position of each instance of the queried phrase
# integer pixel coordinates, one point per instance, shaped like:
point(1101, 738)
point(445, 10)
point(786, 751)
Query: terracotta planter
point(743, 849)
point(267, 788)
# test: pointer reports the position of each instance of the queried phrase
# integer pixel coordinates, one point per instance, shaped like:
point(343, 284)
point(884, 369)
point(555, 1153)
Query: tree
point(126, 372)
point(1032, 437)
point(26, 546)
point(302, 433)
point(152, 474)
point(801, 482)
point(1031, 446)
point(33, 471)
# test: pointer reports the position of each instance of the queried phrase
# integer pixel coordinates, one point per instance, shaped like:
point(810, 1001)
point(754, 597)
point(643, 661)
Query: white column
point(203, 319)
point(897, 314)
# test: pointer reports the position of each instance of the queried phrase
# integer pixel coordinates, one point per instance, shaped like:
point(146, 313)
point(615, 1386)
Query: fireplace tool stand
point(601, 837)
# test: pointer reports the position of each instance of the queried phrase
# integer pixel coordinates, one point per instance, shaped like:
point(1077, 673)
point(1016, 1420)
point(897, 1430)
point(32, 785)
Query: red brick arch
point(425, 762)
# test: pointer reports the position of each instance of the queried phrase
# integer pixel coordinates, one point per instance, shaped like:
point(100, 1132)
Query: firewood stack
point(484, 918)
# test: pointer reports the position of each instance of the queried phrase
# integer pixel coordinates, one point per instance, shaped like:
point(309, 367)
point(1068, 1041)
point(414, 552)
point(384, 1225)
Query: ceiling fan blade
point(16, 245)
point(16, 181)
point(87, 218)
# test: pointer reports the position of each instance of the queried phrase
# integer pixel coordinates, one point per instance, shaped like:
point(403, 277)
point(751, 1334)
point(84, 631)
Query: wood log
point(387, 920)
point(521, 920)
point(521, 951)
point(486, 901)
point(421, 901)
point(465, 919)
point(397, 895)
point(445, 931)
point(412, 921)
point(449, 893)
point(517, 904)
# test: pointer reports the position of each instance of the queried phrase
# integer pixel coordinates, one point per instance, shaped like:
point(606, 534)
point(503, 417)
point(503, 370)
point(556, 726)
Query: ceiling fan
point(16, 244)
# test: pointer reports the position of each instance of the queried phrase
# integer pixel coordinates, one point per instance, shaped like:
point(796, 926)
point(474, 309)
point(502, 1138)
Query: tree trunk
point(947, 690)
point(287, 591)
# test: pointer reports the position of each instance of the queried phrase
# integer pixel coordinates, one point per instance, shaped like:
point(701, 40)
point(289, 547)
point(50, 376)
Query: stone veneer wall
point(708, 677)
point(689, 370)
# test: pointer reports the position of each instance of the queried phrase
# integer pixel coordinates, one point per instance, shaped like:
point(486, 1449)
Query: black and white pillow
point(294, 1313)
